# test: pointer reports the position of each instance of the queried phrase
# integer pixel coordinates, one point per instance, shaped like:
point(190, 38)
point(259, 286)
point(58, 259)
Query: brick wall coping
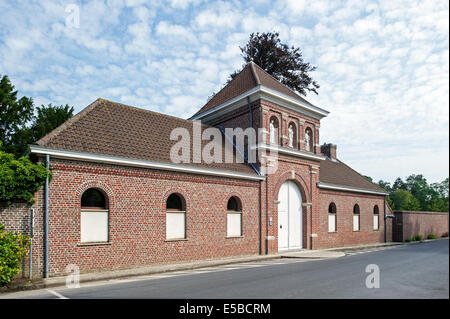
point(419, 212)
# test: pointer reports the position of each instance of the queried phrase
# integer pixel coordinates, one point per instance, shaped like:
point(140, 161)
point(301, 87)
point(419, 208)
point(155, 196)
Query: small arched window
point(332, 208)
point(175, 217)
point(234, 217)
point(376, 218)
point(356, 218)
point(309, 140)
point(332, 218)
point(93, 199)
point(94, 216)
point(174, 202)
point(273, 130)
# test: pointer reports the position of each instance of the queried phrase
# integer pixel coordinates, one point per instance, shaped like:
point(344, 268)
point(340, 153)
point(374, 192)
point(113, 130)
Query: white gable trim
point(348, 189)
point(107, 159)
point(274, 96)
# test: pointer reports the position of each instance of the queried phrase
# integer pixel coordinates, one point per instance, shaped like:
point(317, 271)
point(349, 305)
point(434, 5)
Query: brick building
point(117, 200)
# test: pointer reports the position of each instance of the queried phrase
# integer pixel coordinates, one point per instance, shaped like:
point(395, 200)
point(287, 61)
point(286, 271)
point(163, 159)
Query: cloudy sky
point(383, 66)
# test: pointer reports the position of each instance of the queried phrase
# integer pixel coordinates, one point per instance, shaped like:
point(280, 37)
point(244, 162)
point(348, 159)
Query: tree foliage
point(415, 193)
point(20, 178)
point(13, 248)
point(19, 125)
point(14, 115)
point(279, 60)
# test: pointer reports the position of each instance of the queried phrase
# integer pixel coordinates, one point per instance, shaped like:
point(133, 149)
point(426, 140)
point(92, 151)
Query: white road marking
point(57, 294)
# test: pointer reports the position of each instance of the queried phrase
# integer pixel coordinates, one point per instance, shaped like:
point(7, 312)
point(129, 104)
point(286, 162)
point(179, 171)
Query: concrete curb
point(151, 270)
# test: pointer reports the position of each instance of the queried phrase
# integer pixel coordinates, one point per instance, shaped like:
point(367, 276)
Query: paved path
point(406, 271)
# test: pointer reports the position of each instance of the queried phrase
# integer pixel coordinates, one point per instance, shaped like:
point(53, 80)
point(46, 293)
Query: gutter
point(123, 161)
point(348, 189)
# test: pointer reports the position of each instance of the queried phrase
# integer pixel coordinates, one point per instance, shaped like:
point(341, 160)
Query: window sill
point(103, 243)
point(332, 232)
point(229, 237)
point(175, 239)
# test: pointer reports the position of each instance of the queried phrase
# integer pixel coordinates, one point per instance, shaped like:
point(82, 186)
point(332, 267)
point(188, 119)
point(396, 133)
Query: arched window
point(292, 131)
point(356, 218)
point(234, 217)
point(309, 140)
point(376, 218)
point(332, 218)
point(273, 130)
point(94, 216)
point(175, 217)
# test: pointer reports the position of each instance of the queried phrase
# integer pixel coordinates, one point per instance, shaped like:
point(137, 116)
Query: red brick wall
point(137, 217)
point(408, 224)
point(16, 218)
point(344, 234)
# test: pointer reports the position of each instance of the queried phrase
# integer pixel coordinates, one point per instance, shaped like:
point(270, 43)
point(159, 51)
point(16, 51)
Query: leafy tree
point(385, 185)
point(48, 118)
point(398, 184)
point(279, 60)
point(369, 178)
point(14, 115)
point(418, 186)
point(404, 200)
point(13, 248)
point(19, 127)
point(20, 178)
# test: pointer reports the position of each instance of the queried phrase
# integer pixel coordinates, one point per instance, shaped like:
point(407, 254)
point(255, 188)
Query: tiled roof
point(114, 129)
point(251, 76)
point(338, 173)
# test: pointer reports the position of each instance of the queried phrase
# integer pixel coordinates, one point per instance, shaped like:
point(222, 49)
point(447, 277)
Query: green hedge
point(13, 248)
point(20, 178)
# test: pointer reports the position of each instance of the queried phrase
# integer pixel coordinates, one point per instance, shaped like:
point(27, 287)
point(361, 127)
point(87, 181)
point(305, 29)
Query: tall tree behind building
point(279, 60)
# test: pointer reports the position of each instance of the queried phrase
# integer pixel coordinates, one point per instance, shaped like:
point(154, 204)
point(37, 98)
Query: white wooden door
point(289, 217)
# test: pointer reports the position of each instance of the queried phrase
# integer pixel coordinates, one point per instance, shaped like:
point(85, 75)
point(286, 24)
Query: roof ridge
point(255, 75)
point(277, 80)
point(46, 138)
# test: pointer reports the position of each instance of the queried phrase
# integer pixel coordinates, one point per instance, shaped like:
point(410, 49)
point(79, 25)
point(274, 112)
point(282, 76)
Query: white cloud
point(383, 66)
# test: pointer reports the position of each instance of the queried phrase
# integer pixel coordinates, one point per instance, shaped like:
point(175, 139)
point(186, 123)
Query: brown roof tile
point(114, 129)
point(338, 173)
point(251, 76)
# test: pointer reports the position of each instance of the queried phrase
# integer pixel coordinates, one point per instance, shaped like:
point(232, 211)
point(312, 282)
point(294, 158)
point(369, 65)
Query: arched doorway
point(290, 217)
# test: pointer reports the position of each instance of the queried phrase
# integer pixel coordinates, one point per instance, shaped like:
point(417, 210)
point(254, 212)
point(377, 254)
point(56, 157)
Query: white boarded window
point(175, 225)
point(356, 218)
point(376, 219)
point(94, 217)
point(234, 217)
point(332, 218)
point(175, 217)
point(94, 226)
point(332, 223)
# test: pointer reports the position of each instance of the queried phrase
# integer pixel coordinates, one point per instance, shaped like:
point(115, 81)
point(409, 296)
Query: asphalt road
point(406, 271)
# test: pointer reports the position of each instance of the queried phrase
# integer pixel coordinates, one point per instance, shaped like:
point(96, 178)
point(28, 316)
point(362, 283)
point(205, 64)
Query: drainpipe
point(46, 219)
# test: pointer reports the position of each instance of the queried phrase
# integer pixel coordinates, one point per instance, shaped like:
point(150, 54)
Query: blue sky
point(383, 66)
